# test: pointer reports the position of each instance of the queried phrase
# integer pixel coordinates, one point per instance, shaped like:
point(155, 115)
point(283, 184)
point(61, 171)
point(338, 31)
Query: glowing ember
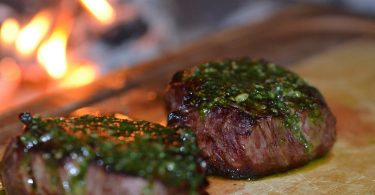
point(32, 34)
point(79, 76)
point(9, 31)
point(101, 10)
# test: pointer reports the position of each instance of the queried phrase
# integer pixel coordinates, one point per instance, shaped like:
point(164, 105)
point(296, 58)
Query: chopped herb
point(258, 88)
point(137, 148)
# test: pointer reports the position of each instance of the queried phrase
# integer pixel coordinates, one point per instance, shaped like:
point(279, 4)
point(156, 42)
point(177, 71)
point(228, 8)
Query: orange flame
point(101, 10)
point(32, 34)
point(52, 53)
point(9, 31)
point(79, 76)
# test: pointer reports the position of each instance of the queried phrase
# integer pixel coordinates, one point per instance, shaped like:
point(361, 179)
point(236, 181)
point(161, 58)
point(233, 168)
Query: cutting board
point(333, 50)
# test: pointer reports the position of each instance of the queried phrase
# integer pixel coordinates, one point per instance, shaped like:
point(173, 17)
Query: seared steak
point(251, 118)
point(102, 155)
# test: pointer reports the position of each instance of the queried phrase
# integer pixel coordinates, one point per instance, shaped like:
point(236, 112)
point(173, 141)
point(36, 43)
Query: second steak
point(251, 118)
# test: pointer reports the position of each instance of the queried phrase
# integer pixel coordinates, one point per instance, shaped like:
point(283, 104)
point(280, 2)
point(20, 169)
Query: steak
point(102, 155)
point(251, 117)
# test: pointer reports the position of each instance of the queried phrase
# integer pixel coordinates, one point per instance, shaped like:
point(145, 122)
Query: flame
point(46, 37)
point(9, 31)
point(101, 10)
point(32, 34)
point(52, 53)
point(79, 76)
point(53, 57)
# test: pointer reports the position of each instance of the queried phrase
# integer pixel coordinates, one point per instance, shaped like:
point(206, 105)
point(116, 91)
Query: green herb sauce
point(258, 88)
point(137, 148)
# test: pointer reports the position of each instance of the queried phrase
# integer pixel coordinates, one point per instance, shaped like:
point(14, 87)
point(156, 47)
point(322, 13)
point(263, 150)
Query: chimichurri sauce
point(137, 148)
point(257, 87)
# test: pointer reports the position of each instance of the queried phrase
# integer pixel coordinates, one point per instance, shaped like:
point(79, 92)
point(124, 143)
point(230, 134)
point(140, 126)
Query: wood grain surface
point(333, 50)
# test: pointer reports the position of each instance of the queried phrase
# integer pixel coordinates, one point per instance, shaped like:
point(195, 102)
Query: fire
point(52, 53)
point(9, 31)
point(32, 34)
point(101, 10)
point(53, 57)
point(79, 76)
point(45, 37)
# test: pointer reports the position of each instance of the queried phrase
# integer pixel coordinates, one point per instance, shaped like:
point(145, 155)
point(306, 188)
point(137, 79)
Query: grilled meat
point(251, 118)
point(102, 155)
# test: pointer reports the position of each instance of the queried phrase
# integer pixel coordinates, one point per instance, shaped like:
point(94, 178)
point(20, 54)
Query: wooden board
point(331, 49)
